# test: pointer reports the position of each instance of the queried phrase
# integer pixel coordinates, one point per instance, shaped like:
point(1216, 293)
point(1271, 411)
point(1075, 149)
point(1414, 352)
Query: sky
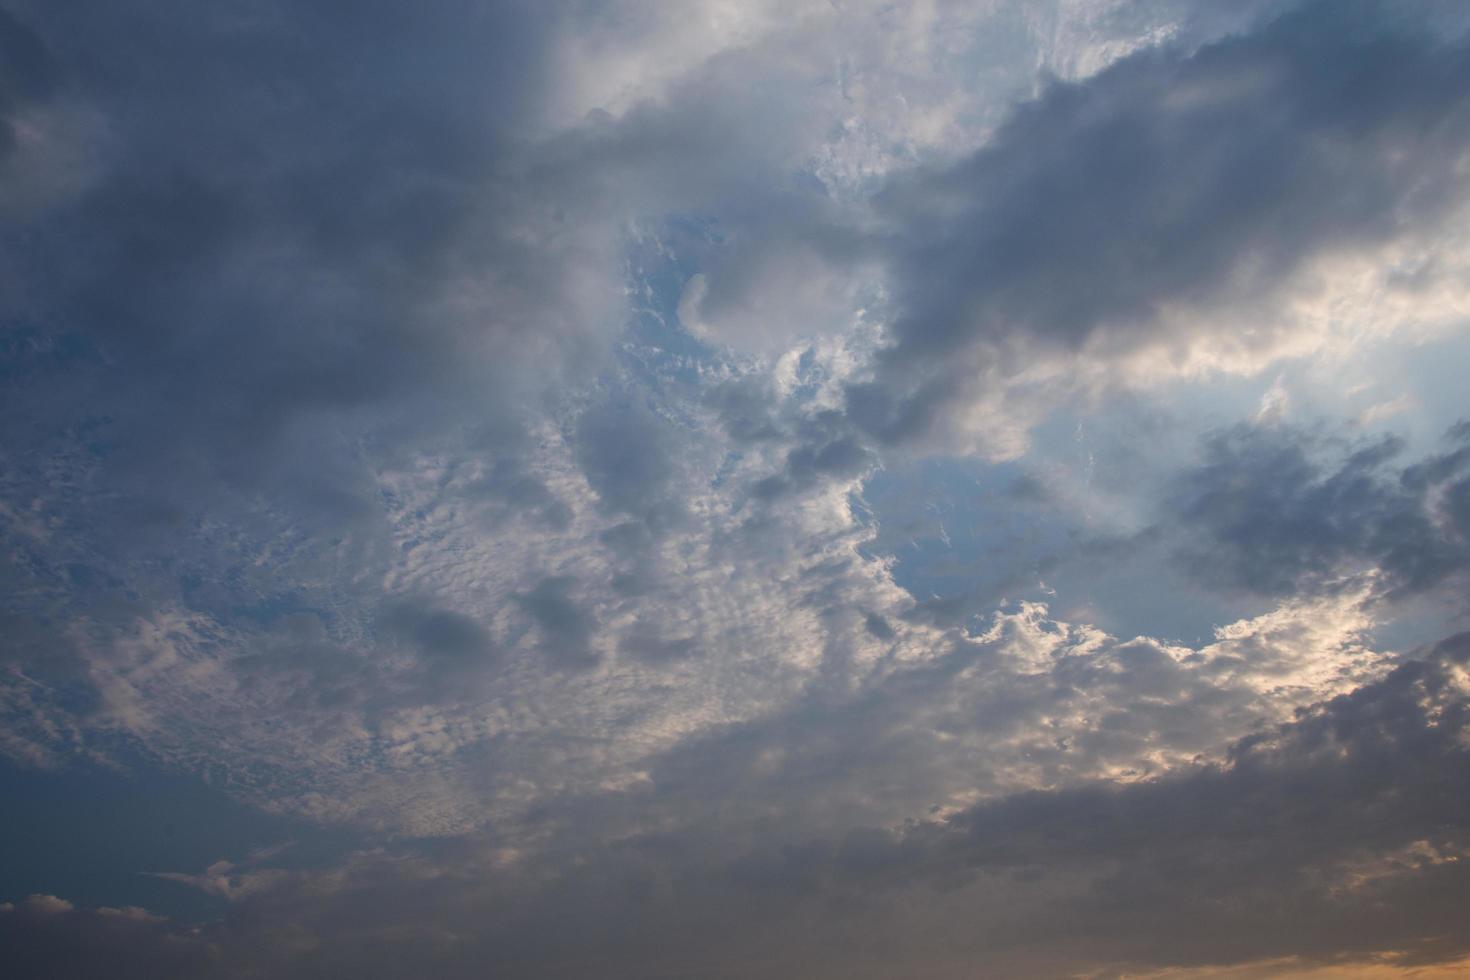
point(735, 488)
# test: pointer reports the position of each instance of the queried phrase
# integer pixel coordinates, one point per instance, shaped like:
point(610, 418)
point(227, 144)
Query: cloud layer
point(740, 489)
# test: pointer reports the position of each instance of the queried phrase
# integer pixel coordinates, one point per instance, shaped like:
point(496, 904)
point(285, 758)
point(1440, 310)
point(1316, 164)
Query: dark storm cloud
point(1272, 511)
point(1194, 180)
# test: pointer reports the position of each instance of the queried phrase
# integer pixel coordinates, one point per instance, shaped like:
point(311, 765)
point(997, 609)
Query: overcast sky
point(734, 488)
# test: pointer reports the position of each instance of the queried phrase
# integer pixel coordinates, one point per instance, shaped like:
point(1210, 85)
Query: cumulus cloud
point(1155, 216)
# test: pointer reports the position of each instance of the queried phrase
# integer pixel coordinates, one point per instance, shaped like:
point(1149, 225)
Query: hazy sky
point(734, 488)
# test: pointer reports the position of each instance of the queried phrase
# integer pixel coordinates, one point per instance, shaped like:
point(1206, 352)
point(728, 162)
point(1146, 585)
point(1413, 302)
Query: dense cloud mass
point(1334, 835)
point(764, 489)
point(1077, 231)
point(1277, 521)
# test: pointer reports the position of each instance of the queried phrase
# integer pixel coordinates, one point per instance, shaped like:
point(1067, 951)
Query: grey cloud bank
point(1136, 209)
point(1333, 835)
point(653, 489)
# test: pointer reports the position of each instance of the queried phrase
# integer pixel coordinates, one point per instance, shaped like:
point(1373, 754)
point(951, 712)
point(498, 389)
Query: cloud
point(29, 75)
point(49, 936)
point(565, 627)
point(1330, 838)
point(1266, 512)
point(439, 634)
point(464, 431)
point(1159, 215)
